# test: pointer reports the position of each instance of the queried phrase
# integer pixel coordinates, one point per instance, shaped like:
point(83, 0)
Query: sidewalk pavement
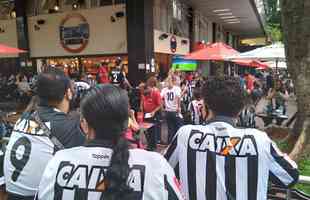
point(291, 110)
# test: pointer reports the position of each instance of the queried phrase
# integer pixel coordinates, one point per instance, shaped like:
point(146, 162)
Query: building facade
point(145, 34)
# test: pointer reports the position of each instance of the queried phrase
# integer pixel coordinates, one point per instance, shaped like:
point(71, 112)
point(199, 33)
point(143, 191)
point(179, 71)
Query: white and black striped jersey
point(2, 182)
point(220, 162)
point(247, 117)
point(77, 174)
point(196, 110)
point(29, 150)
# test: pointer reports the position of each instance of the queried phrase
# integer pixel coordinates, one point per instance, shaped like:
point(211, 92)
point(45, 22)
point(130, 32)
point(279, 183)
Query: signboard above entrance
point(74, 36)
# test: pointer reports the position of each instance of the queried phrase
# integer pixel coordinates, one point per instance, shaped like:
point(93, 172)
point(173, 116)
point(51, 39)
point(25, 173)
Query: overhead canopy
point(280, 65)
point(247, 24)
point(9, 50)
point(216, 52)
point(274, 52)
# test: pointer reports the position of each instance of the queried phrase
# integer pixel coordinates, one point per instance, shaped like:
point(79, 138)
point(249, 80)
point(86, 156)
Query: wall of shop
point(8, 35)
point(163, 44)
point(105, 36)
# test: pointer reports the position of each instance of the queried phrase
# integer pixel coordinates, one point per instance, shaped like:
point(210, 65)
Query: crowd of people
point(16, 87)
point(77, 139)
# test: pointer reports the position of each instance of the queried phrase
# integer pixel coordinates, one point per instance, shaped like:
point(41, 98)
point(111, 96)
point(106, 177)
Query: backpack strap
point(47, 132)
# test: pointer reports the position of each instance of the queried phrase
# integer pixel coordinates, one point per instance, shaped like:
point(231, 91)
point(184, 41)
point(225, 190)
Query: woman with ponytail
point(105, 168)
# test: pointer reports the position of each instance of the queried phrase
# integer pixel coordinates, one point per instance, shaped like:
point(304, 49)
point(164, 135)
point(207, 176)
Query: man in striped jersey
point(219, 161)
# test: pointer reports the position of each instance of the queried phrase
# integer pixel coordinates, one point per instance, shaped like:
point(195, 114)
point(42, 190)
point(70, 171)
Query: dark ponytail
point(105, 109)
point(118, 172)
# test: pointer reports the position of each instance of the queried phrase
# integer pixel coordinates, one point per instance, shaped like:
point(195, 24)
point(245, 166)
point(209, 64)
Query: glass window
point(119, 1)
point(176, 10)
point(110, 2)
point(69, 2)
point(105, 2)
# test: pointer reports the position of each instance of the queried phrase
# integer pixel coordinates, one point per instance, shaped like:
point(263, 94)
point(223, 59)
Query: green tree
point(296, 23)
point(273, 20)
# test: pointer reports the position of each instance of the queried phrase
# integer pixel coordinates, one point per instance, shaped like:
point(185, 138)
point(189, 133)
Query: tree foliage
point(296, 23)
point(273, 20)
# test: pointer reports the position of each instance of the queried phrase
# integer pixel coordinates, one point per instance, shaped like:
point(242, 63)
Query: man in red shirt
point(151, 105)
point(103, 74)
point(250, 79)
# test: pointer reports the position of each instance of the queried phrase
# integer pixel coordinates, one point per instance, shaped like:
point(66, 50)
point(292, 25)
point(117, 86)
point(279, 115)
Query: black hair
point(224, 96)
point(105, 108)
point(52, 85)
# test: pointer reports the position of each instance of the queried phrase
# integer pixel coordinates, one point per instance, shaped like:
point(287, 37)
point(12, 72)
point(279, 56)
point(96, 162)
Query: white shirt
point(171, 98)
point(29, 150)
point(82, 85)
point(76, 174)
point(23, 86)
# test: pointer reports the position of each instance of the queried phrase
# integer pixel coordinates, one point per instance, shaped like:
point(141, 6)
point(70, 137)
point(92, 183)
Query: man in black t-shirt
point(23, 168)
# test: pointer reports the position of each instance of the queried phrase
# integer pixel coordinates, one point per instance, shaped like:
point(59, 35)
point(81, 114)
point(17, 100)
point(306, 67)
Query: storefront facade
point(8, 36)
point(82, 36)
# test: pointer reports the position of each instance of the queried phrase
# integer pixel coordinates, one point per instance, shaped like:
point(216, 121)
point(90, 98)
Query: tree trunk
point(296, 23)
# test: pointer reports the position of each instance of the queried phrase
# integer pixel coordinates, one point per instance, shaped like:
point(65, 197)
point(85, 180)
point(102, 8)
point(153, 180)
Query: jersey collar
point(228, 120)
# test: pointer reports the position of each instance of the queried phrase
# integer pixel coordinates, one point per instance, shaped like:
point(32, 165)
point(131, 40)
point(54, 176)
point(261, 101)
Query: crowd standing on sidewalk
point(96, 137)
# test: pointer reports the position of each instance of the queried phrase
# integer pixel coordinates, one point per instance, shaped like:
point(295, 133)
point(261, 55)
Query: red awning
point(10, 50)
point(216, 52)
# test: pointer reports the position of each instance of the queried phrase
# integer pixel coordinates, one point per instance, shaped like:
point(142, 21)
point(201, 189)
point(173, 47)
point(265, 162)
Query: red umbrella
point(259, 64)
point(251, 63)
point(199, 45)
point(216, 51)
point(243, 62)
point(10, 50)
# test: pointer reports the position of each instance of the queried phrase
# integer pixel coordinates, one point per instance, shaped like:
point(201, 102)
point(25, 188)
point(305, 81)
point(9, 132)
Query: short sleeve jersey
point(29, 150)
point(78, 173)
point(171, 97)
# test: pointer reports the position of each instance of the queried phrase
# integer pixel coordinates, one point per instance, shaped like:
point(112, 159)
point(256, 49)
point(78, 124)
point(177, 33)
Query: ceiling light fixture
point(224, 14)
point(56, 8)
point(221, 10)
point(13, 13)
point(229, 17)
point(233, 20)
point(236, 22)
point(75, 6)
point(228, 20)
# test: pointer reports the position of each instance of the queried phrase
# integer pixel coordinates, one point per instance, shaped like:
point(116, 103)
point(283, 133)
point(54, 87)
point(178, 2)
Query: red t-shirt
point(152, 101)
point(250, 82)
point(103, 75)
point(189, 77)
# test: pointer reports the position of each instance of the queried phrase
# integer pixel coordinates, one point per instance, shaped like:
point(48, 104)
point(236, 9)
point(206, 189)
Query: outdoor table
point(268, 118)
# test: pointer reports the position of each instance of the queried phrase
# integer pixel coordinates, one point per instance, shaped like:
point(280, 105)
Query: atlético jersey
point(2, 182)
point(171, 97)
point(116, 77)
point(220, 162)
point(77, 174)
point(29, 150)
point(196, 110)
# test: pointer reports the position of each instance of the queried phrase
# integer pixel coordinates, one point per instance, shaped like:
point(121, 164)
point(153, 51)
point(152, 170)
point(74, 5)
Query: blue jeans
point(174, 122)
